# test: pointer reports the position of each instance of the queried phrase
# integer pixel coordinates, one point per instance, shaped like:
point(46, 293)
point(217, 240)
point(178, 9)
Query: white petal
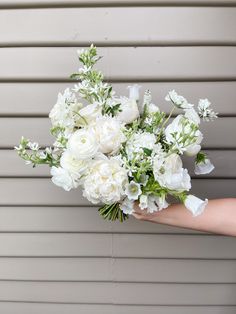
point(204, 167)
point(195, 204)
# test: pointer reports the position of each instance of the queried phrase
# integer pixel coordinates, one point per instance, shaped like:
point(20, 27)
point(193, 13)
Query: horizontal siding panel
point(41, 191)
point(122, 293)
point(13, 166)
point(117, 245)
point(39, 98)
point(118, 270)
point(151, 26)
point(122, 63)
point(216, 134)
point(50, 308)
point(65, 3)
point(72, 219)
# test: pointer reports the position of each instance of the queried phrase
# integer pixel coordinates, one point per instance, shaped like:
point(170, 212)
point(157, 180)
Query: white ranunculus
point(105, 182)
point(129, 110)
point(192, 115)
point(133, 190)
point(204, 167)
point(61, 177)
point(83, 144)
point(171, 174)
point(127, 206)
point(89, 113)
point(195, 204)
point(134, 92)
point(108, 133)
point(72, 164)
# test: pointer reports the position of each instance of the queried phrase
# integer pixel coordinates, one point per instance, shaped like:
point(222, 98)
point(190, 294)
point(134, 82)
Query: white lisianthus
point(105, 182)
point(179, 128)
point(192, 115)
point(178, 100)
point(82, 144)
point(171, 174)
point(89, 113)
point(61, 177)
point(195, 204)
point(204, 167)
point(134, 92)
point(127, 206)
point(133, 190)
point(129, 110)
point(72, 164)
point(108, 133)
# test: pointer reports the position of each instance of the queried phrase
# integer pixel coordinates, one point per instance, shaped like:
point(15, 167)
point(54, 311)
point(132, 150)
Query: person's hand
point(142, 214)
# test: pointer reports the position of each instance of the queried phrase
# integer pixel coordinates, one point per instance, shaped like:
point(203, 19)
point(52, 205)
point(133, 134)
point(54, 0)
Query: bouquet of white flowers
point(119, 150)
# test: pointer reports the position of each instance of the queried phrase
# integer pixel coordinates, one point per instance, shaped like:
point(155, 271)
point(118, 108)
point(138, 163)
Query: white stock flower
point(178, 100)
point(138, 141)
point(129, 110)
point(108, 134)
point(171, 174)
point(204, 167)
point(195, 204)
point(134, 92)
point(133, 190)
point(61, 177)
point(82, 144)
point(72, 164)
point(127, 206)
point(105, 182)
point(89, 113)
point(63, 112)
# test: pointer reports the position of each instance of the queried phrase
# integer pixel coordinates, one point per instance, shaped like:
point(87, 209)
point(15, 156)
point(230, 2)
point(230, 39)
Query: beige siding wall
point(56, 254)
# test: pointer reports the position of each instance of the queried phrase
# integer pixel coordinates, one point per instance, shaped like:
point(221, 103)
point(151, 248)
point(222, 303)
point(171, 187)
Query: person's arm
point(219, 217)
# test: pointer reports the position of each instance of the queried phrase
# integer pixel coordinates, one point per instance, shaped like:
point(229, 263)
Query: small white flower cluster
point(120, 150)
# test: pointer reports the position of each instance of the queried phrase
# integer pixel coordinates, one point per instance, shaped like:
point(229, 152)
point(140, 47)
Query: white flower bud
point(195, 204)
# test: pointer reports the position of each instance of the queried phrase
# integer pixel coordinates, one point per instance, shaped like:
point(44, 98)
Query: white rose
point(73, 164)
point(89, 113)
point(83, 144)
point(129, 110)
point(204, 167)
point(195, 204)
point(172, 175)
point(61, 177)
point(105, 182)
point(108, 134)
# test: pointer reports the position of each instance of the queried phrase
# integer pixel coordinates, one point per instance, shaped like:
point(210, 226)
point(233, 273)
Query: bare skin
point(219, 217)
